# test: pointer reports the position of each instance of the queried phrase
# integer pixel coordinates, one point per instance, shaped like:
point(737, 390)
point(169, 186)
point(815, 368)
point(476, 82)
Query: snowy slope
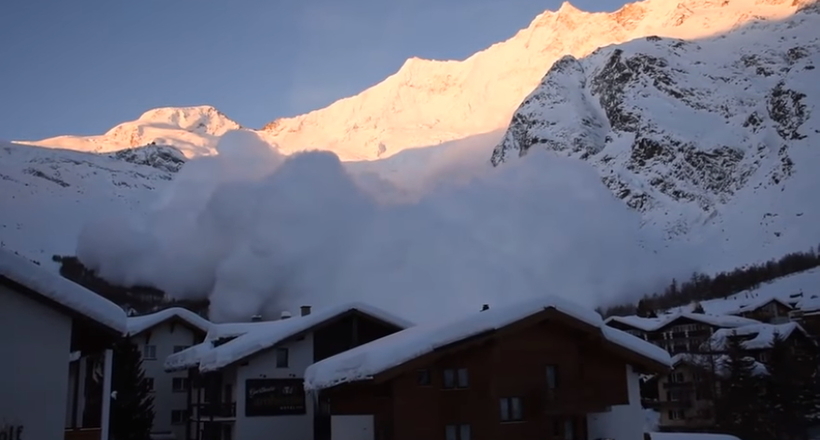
point(429, 102)
point(48, 194)
point(712, 140)
point(193, 130)
point(803, 286)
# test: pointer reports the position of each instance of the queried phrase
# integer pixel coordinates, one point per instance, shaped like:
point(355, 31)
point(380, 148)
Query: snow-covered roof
point(368, 360)
point(716, 361)
point(138, 324)
point(761, 335)
point(61, 291)
point(254, 337)
point(689, 436)
point(809, 304)
point(758, 303)
point(653, 324)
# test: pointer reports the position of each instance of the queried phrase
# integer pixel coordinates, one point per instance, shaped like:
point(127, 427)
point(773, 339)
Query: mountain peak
point(568, 8)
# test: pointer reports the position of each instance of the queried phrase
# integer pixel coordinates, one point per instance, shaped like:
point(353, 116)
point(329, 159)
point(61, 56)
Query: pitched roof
point(61, 291)
point(653, 324)
point(251, 338)
point(368, 360)
point(138, 324)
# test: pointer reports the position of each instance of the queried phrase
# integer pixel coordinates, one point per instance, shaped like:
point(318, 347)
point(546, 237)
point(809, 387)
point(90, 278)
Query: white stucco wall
point(165, 336)
point(36, 340)
point(352, 427)
point(621, 422)
point(263, 366)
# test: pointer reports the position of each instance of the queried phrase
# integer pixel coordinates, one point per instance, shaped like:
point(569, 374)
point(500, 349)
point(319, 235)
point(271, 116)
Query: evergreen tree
point(738, 408)
point(645, 310)
point(132, 408)
point(788, 392)
point(697, 307)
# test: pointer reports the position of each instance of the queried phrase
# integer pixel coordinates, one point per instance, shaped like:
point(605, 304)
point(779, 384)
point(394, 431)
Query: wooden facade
point(535, 379)
point(773, 312)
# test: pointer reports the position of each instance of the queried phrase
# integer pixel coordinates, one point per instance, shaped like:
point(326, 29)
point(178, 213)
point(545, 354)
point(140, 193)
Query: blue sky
point(82, 66)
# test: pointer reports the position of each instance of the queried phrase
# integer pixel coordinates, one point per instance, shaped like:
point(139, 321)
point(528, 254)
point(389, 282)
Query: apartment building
point(246, 379)
point(159, 335)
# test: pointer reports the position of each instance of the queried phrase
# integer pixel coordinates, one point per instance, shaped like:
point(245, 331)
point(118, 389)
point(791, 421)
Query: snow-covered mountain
point(193, 130)
point(713, 135)
point(428, 102)
point(48, 194)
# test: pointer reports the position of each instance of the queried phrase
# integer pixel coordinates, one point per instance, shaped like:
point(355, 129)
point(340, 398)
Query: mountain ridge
point(429, 102)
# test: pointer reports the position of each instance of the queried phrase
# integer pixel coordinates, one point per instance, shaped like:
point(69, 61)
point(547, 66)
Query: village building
point(159, 335)
point(768, 310)
point(681, 332)
point(247, 379)
point(807, 313)
point(539, 369)
point(45, 321)
point(686, 394)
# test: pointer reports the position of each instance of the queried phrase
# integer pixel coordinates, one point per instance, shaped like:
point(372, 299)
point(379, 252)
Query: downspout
point(106, 394)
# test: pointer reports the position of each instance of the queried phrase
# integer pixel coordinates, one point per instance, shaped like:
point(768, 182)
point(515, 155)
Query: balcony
point(219, 410)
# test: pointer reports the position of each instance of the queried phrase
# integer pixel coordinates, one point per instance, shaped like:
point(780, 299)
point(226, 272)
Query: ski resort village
point(459, 220)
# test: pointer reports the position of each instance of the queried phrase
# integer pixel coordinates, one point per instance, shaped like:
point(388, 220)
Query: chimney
point(256, 318)
point(305, 310)
point(285, 315)
point(485, 307)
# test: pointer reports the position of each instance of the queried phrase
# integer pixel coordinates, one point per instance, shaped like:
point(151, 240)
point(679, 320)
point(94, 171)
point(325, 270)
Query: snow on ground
point(62, 291)
point(367, 360)
point(788, 288)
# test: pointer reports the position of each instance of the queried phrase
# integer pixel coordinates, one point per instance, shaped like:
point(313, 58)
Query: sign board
point(274, 397)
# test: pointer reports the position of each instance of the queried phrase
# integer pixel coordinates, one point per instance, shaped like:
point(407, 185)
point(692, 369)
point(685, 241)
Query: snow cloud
point(257, 232)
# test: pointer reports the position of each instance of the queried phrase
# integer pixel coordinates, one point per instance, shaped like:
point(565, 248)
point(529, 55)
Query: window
point(282, 357)
point(511, 409)
point(552, 377)
point(675, 414)
point(456, 378)
point(149, 383)
point(179, 416)
point(179, 384)
point(449, 379)
point(149, 352)
point(463, 378)
point(178, 348)
point(457, 432)
point(423, 377)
